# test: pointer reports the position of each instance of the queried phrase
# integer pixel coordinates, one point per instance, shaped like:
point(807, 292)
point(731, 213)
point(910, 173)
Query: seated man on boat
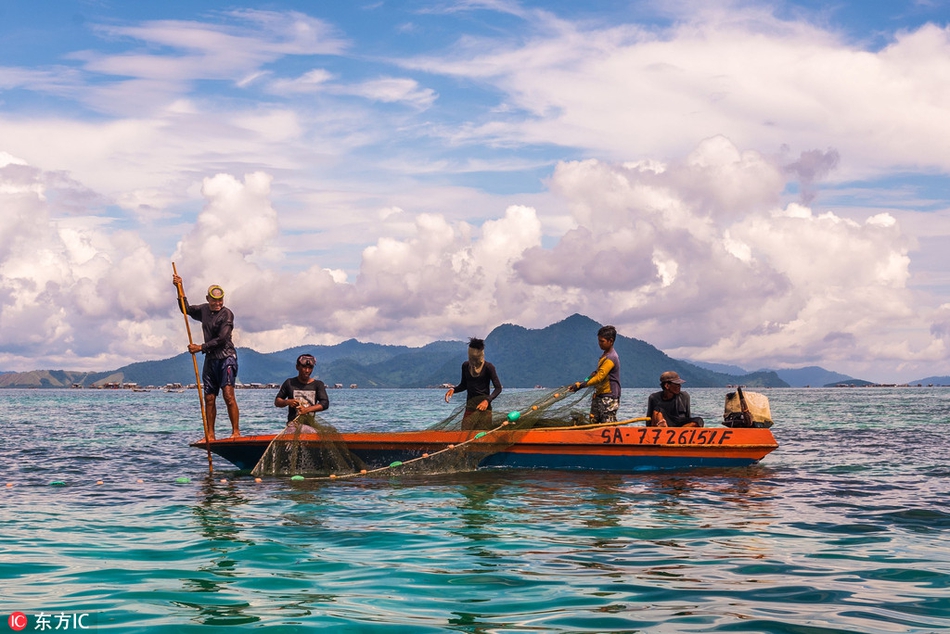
point(670, 407)
point(605, 402)
point(477, 376)
point(302, 394)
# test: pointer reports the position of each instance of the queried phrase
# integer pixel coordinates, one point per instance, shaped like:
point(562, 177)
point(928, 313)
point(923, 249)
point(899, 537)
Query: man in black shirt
point(670, 407)
point(302, 394)
point(220, 367)
point(478, 376)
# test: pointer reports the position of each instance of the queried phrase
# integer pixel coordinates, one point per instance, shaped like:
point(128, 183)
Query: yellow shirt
point(601, 378)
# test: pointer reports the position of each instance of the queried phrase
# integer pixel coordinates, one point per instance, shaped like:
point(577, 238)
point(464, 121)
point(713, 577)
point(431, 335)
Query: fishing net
point(311, 447)
point(513, 415)
point(547, 408)
point(307, 446)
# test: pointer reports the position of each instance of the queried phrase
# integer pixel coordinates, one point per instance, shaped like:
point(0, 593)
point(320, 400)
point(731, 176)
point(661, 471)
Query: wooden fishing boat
point(605, 448)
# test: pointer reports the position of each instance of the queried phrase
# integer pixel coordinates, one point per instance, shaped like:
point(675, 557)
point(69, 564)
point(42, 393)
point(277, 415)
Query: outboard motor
point(747, 409)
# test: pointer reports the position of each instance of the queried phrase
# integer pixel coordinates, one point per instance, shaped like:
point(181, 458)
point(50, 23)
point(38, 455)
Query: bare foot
point(235, 434)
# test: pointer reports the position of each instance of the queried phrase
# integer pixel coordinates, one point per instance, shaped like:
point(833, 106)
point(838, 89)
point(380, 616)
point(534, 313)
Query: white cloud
point(660, 253)
point(672, 217)
point(624, 92)
point(393, 90)
point(174, 54)
point(699, 260)
point(65, 282)
point(235, 230)
point(310, 82)
point(209, 51)
point(9, 159)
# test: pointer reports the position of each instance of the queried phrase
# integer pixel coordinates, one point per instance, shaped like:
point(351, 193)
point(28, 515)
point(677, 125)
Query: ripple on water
point(843, 529)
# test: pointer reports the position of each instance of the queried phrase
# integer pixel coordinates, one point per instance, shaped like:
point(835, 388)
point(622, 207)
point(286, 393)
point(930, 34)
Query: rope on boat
point(511, 418)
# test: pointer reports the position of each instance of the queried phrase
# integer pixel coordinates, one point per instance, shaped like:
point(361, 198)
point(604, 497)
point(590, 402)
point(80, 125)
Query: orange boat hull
point(609, 448)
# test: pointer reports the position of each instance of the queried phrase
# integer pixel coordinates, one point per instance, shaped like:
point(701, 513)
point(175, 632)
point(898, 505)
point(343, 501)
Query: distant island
point(559, 354)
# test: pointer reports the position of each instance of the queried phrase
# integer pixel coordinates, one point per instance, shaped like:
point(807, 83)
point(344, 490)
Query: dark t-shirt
point(312, 393)
point(217, 328)
point(477, 386)
point(675, 411)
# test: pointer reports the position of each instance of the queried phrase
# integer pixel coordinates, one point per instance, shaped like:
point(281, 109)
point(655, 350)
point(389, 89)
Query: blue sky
point(763, 184)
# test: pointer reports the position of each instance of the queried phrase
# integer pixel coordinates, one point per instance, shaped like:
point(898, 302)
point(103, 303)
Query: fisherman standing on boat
point(670, 408)
point(303, 394)
point(477, 375)
point(605, 401)
point(220, 367)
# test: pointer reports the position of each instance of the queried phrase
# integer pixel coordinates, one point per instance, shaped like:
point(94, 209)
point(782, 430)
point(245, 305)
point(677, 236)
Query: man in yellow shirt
point(606, 380)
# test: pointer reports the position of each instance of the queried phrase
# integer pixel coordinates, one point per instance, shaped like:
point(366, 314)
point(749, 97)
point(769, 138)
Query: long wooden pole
point(194, 359)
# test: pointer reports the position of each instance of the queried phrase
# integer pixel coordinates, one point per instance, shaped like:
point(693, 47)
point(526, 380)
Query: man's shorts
point(217, 373)
point(603, 408)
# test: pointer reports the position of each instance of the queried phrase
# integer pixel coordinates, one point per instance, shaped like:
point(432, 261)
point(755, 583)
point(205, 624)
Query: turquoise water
point(843, 529)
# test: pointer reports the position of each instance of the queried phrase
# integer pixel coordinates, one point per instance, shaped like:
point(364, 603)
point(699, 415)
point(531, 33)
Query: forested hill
point(567, 351)
point(556, 355)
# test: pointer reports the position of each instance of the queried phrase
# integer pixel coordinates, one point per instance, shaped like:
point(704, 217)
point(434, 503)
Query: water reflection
point(608, 502)
point(310, 502)
point(477, 623)
point(233, 614)
point(476, 509)
point(215, 510)
point(214, 513)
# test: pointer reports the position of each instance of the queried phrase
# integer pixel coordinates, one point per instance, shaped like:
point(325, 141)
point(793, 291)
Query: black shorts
point(217, 373)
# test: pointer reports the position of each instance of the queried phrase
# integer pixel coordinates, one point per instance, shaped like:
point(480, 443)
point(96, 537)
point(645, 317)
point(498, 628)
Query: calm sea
point(844, 528)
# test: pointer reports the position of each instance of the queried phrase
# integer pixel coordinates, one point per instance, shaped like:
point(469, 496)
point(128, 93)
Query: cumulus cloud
point(438, 278)
point(444, 278)
point(812, 166)
point(675, 221)
point(701, 259)
point(65, 282)
point(698, 256)
point(940, 327)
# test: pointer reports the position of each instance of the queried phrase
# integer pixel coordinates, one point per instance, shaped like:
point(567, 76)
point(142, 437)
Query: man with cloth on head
point(670, 408)
point(220, 367)
point(477, 376)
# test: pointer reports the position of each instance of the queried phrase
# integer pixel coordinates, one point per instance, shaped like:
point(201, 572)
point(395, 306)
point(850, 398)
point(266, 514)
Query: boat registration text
point(666, 436)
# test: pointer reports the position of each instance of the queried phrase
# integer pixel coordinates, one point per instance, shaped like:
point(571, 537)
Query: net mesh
point(309, 446)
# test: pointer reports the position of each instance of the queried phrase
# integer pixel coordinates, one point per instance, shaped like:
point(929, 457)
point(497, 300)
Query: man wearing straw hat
point(220, 367)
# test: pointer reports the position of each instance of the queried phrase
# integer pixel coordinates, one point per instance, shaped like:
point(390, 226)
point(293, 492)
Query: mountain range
point(800, 377)
point(559, 354)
